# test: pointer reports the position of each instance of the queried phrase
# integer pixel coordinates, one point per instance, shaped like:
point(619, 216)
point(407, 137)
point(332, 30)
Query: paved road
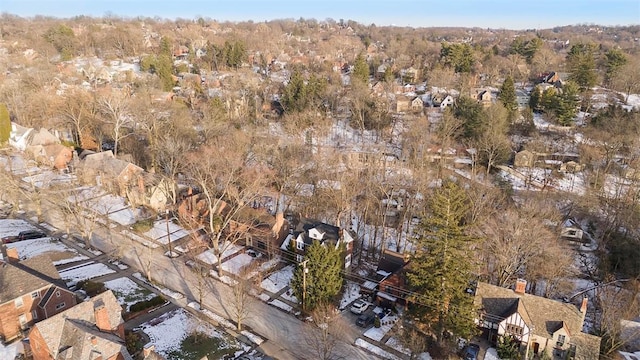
point(285, 334)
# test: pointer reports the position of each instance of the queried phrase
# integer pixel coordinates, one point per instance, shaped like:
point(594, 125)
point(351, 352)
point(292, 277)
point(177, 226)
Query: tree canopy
point(5, 124)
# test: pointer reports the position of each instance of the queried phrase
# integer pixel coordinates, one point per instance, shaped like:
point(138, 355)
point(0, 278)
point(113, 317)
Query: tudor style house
point(307, 231)
point(544, 327)
point(30, 290)
point(93, 329)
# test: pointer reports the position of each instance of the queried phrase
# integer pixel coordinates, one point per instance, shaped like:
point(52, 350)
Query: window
point(300, 245)
point(18, 302)
point(514, 329)
point(34, 314)
point(34, 294)
point(60, 306)
point(561, 339)
point(22, 319)
point(57, 293)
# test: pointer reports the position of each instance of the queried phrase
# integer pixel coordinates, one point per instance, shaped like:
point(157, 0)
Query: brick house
point(543, 326)
point(105, 169)
point(30, 290)
point(93, 329)
point(391, 274)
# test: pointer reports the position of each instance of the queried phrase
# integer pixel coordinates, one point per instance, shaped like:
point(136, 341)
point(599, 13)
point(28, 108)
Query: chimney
point(102, 316)
point(12, 255)
point(521, 286)
point(148, 349)
point(583, 306)
point(94, 340)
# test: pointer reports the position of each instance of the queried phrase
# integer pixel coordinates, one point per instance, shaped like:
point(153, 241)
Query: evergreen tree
point(581, 65)
point(508, 98)
point(565, 104)
point(323, 278)
point(360, 70)
point(63, 39)
point(294, 96)
point(441, 269)
point(614, 60)
point(5, 124)
point(470, 112)
point(457, 56)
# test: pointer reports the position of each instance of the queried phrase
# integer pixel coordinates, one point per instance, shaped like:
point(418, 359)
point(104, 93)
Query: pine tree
point(615, 59)
point(5, 124)
point(360, 70)
point(565, 104)
point(323, 278)
point(441, 269)
point(508, 98)
point(582, 65)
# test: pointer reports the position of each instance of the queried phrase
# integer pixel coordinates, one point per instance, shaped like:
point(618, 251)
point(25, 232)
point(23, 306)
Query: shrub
point(147, 304)
point(376, 322)
point(92, 288)
point(143, 225)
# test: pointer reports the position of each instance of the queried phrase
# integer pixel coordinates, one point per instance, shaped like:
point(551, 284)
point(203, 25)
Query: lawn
point(179, 336)
point(128, 292)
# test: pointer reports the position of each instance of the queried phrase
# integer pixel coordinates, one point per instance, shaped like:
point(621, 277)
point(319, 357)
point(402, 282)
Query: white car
point(359, 306)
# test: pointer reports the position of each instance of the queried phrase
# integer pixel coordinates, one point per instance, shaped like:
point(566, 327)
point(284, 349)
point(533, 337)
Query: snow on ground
point(211, 315)
point(252, 337)
point(395, 344)
point(374, 236)
point(210, 258)
point(86, 271)
point(633, 101)
point(278, 280)
point(288, 295)
point(45, 179)
point(491, 354)
point(133, 236)
point(10, 351)
point(386, 323)
point(12, 227)
point(281, 305)
point(70, 260)
point(236, 264)
point(264, 267)
point(30, 248)
point(376, 350)
point(159, 232)
point(351, 293)
point(127, 291)
point(169, 330)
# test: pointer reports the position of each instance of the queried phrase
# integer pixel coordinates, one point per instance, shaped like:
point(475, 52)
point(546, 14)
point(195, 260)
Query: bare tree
point(325, 334)
point(243, 300)
point(617, 303)
point(115, 112)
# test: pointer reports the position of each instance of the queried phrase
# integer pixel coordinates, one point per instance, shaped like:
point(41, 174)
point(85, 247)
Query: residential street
point(284, 333)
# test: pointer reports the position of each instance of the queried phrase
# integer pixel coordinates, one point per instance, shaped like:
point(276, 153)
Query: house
point(391, 277)
point(30, 291)
point(525, 158)
point(416, 104)
point(378, 88)
point(403, 103)
point(442, 100)
point(303, 232)
point(19, 137)
point(410, 74)
point(522, 98)
point(381, 70)
point(105, 169)
point(543, 326)
point(483, 96)
point(55, 155)
point(93, 329)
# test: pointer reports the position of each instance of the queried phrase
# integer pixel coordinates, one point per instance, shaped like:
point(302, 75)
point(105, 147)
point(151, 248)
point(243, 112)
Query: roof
point(544, 314)
point(107, 163)
point(80, 321)
point(81, 340)
point(18, 279)
point(328, 232)
point(43, 137)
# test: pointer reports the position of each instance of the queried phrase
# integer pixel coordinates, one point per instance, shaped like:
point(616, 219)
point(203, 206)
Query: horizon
point(494, 14)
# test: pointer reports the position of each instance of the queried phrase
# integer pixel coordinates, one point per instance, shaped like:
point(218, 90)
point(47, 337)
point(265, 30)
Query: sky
point(498, 14)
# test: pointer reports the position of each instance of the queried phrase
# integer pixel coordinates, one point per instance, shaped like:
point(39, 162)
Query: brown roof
point(81, 318)
point(18, 279)
point(546, 315)
point(81, 340)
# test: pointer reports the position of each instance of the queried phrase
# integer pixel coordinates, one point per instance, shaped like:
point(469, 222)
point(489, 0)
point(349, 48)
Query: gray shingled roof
point(80, 316)
point(18, 279)
point(78, 338)
point(545, 314)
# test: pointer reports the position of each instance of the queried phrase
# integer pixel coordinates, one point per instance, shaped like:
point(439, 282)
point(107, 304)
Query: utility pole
point(305, 270)
point(166, 219)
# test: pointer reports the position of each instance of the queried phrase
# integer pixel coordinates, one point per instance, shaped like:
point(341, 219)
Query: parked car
point(253, 253)
point(359, 306)
point(471, 352)
point(24, 235)
point(366, 319)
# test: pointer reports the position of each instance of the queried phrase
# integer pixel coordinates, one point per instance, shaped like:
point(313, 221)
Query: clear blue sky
point(509, 14)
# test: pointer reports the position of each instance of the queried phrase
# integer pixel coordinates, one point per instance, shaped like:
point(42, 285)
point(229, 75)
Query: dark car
point(24, 235)
point(365, 319)
point(471, 352)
